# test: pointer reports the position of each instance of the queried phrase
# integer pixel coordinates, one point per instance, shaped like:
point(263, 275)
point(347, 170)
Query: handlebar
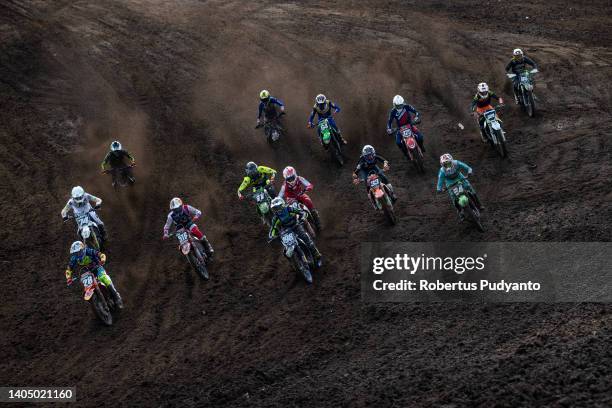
point(119, 168)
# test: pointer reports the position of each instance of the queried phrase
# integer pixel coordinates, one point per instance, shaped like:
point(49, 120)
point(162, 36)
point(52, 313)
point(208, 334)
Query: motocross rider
point(368, 163)
point(517, 65)
point(116, 158)
point(324, 109)
point(290, 217)
point(295, 188)
point(257, 176)
point(93, 259)
point(402, 115)
point(184, 216)
point(267, 107)
point(450, 170)
point(80, 203)
point(481, 103)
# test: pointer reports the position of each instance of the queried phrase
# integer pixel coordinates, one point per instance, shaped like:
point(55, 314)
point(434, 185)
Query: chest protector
point(182, 218)
point(483, 101)
point(322, 111)
point(403, 117)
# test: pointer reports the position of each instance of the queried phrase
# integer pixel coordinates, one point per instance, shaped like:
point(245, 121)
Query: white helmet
point(320, 98)
point(483, 88)
point(398, 101)
point(445, 158)
point(78, 195)
point(277, 204)
point(175, 203)
point(77, 246)
point(517, 52)
point(290, 175)
point(368, 149)
point(115, 146)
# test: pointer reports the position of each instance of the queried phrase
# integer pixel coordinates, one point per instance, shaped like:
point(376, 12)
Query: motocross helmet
point(369, 154)
point(398, 102)
point(251, 170)
point(77, 248)
point(320, 100)
point(78, 195)
point(447, 163)
point(483, 90)
point(264, 95)
point(176, 203)
point(277, 205)
point(518, 54)
point(115, 146)
point(290, 175)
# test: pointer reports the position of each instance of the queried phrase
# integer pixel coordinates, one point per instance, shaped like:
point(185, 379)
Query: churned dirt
point(177, 84)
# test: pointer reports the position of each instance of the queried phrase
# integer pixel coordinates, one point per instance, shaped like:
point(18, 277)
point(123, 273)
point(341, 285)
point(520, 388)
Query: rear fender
point(89, 291)
point(185, 248)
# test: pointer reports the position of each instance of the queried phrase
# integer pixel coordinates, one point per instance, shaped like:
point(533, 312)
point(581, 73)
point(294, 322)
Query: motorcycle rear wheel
point(101, 308)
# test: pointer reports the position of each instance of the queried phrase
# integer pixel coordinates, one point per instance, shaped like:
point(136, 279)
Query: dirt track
point(178, 85)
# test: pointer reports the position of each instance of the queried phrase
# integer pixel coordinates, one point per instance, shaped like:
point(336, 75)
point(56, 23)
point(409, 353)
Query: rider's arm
point(266, 170)
point(97, 201)
point(473, 104)
point(245, 183)
point(169, 223)
point(128, 155)
point(276, 101)
point(462, 166)
point(509, 66)
point(412, 110)
point(531, 62)
point(105, 161)
point(281, 192)
point(381, 159)
point(334, 106)
point(391, 119)
point(65, 209)
point(274, 228)
point(441, 177)
point(260, 110)
point(307, 184)
point(311, 117)
point(194, 213)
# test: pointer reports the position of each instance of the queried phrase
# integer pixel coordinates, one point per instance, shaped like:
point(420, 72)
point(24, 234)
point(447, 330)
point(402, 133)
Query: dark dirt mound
point(177, 83)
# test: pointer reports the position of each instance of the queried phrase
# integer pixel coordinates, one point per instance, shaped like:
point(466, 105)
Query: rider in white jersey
point(80, 203)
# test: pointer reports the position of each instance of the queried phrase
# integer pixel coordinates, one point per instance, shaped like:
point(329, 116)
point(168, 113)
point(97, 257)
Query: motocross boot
point(316, 219)
point(116, 295)
point(318, 258)
point(207, 247)
point(477, 201)
point(421, 145)
point(342, 139)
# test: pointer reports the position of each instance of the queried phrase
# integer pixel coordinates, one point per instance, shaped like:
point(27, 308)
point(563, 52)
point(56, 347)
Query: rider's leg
point(196, 231)
point(515, 89)
point(400, 143)
point(304, 199)
point(481, 124)
point(100, 224)
point(303, 235)
point(129, 174)
point(420, 140)
point(473, 193)
point(107, 281)
point(332, 122)
point(271, 190)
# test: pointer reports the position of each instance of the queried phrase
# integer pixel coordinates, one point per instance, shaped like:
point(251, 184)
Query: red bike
point(380, 196)
point(415, 155)
point(99, 297)
point(192, 248)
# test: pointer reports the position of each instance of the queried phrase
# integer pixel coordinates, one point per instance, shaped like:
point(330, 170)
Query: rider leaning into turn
point(517, 65)
point(401, 114)
point(368, 162)
point(324, 109)
point(481, 103)
point(267, 107)
point(451, 172)
point(80, 203)
point(290, 217)
point(116, 158)
point(185, 216)
point(295, 188)
point(92, 259)
point(257, 176)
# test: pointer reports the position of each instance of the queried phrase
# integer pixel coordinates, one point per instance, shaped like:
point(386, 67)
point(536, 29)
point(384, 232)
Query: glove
point(389, 131)
point(501, 101)
point(102, 259)
point(470, 173)
point(309, 125)
point(386, 166)
point(165, 236)
point(69, 279)
point(97, 207)
point(309, 188)
point(355, 179)
point(282, 108)
point(65, 218)
point(240, 196)
point(533, 71)
point(336, 110)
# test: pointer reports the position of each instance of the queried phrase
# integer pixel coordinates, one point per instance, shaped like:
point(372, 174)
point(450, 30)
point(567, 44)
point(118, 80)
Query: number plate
point(375, 183)
point(458, 189)
point(259, 197)
point(182, 236)
point(490, 115)
point(87, 279)
point(525, 79)
point(324, 125)
point(406, 131)
point(288, 240)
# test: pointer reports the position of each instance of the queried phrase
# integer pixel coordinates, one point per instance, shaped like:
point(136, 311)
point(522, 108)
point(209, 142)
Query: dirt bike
point(494, 131)
point(272, 129)
point(309, 220)
point(192, 248)
point(331, 141)
point(121, 176)
point(415, 155)
point(467, 203)
point(380, 196)
point(262, 200)
point(99, 297)
point(298, 253)
point(526, 85)
point(87, 230)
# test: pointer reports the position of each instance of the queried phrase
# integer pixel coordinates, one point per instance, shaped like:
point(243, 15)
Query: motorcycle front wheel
point(101, 308)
